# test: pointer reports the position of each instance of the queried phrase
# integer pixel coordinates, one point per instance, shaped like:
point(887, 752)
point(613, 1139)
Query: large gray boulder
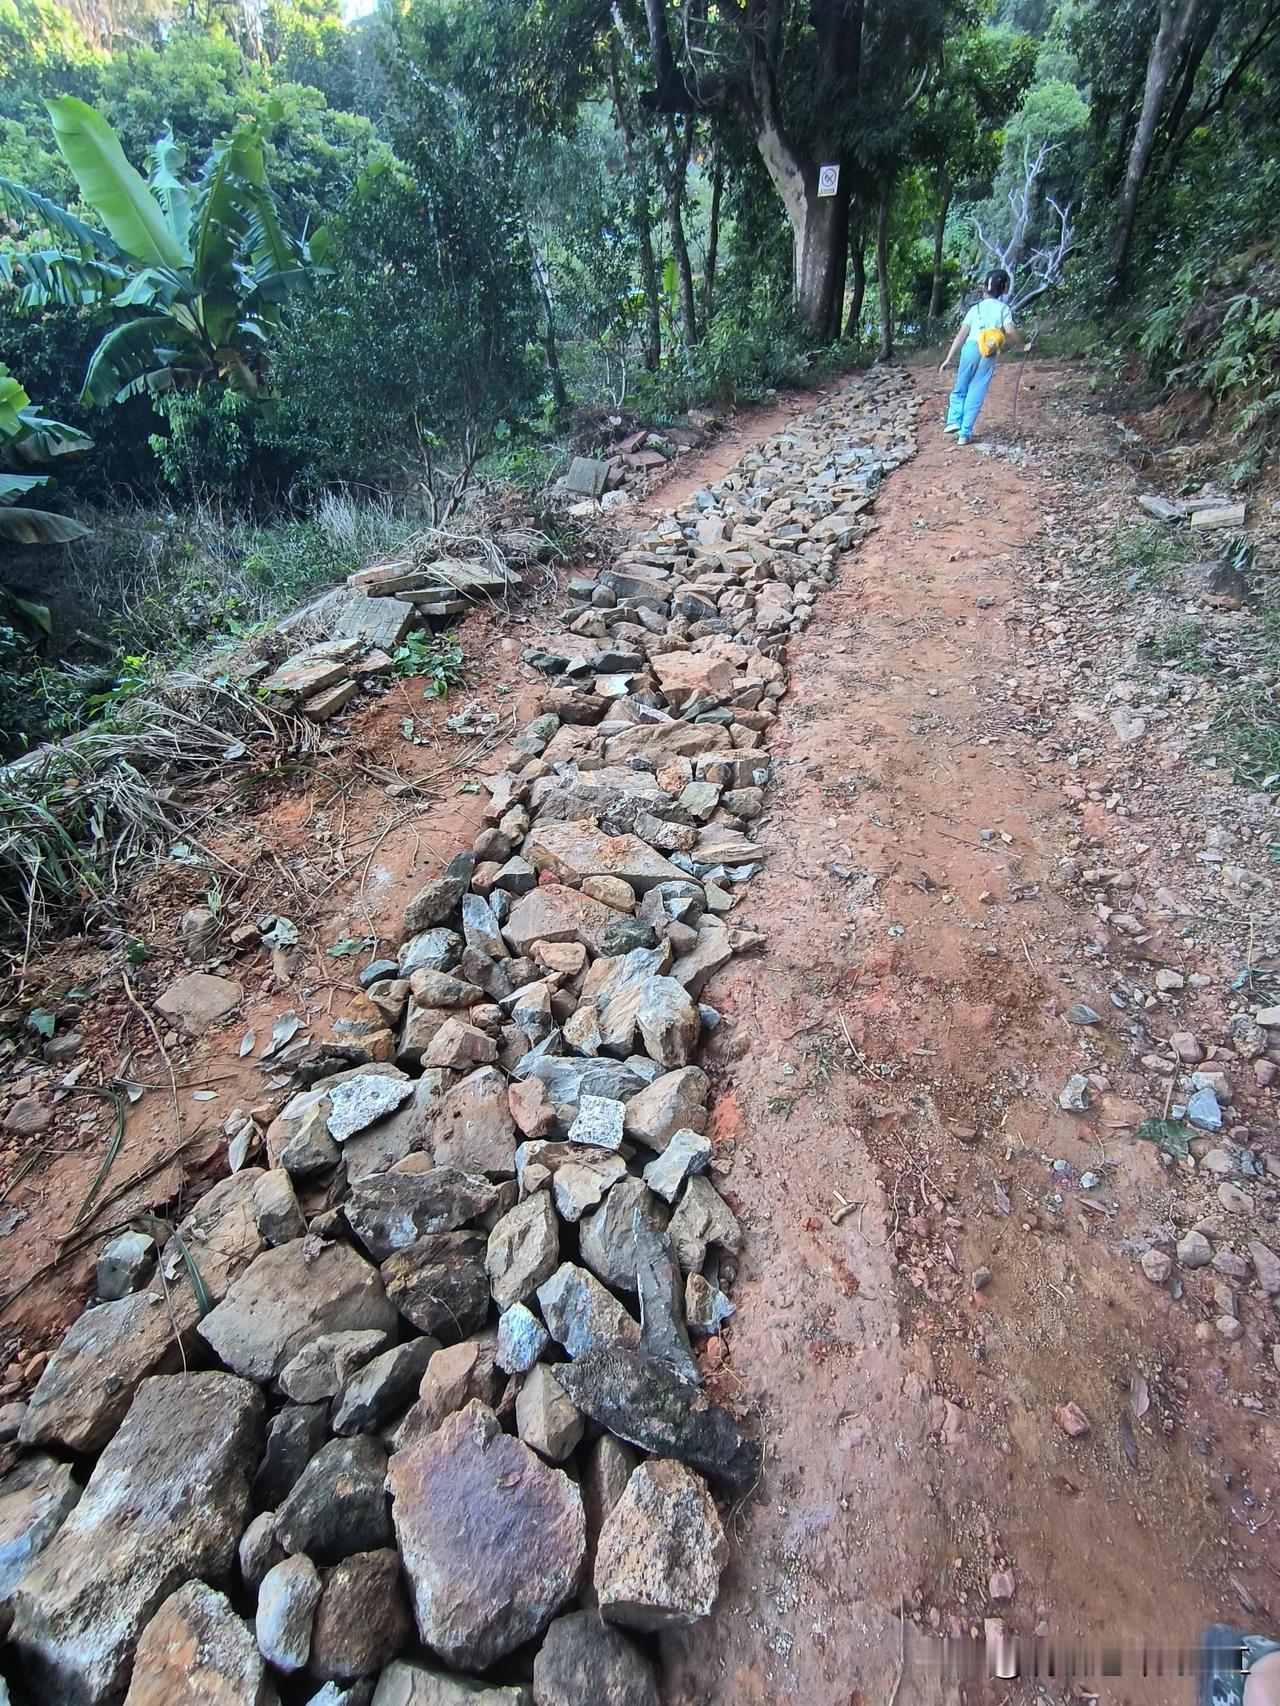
point(289, 1296)
point(167, 1502)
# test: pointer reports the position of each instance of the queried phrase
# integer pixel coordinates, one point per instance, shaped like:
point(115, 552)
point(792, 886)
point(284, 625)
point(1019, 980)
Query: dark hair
point(997, 282)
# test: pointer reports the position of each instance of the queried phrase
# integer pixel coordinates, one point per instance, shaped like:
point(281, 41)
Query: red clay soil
point(886, 1121)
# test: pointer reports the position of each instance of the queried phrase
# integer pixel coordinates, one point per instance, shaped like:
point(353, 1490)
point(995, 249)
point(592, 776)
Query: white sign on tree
point(828, 180)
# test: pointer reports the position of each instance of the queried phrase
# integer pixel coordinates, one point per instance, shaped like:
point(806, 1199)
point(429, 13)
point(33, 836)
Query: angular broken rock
point(546, 1418)
point(89, 1381)
point(406, 1683)
point(701, 1219)
point(598, 1122)
point(363, 1618)
point(195, 1651)
point(125, 1265)
point(643, 1401)
point(673, 1102)
point(388, 1211)
point(473, 1129)
point(358, 1103)
point(439, 1283)
point(687, 1153)
point(584, 1661)
point(573, 851)
point(582, 1315)
point(706, 1308)
point(523, 1250)
point(661, 1551)
point(35, 1496)
point(493, 1539)
point(339, 1503)
point(613, 991)
point(382, 1387)
point(287, 1600)
point(669, 1022)
point(275, 1206)
point(322, 1368)
point(662, 1325)
point(294, 1435)
point(199, 1001)
point(555, 913)
point(437, 899)
point(455, 1375)
point(1266, 1265)
point(259, 1550)
point(607, 1236)
point(521, 1340)
point(166, 1502)
point(289, 1296)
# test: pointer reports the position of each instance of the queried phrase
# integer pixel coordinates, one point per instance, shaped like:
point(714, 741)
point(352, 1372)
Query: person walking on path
point(983, 333)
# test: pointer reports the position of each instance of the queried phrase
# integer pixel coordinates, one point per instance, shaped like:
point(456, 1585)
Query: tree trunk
point(939, 235)
point(882, 276)
point(713, 240)
point(550, 343)
point(676, 167)
point(821, 254)
point(652, 352)
point(1176, 20)
point(819, 228)
point(858, 265)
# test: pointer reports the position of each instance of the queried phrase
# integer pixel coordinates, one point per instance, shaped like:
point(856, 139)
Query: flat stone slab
point(574, 851)
point(300, 677)
point(289, 1296)
point(200, 1001)
point(380, 621)
point(587, 476)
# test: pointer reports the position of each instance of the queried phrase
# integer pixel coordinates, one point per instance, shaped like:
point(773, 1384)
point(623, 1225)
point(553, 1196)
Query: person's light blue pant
point(973, 376)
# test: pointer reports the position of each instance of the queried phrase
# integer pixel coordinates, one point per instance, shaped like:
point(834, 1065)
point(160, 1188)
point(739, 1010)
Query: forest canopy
point(252, 253)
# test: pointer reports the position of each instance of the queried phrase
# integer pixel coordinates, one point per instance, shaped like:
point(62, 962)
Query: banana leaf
point(115, 190)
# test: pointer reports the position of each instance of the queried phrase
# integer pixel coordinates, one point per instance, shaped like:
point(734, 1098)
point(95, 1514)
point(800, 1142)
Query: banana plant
point(27, 438)
point(191, 273)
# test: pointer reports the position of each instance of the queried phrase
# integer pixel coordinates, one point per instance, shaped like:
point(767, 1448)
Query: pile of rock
point(452, 1322)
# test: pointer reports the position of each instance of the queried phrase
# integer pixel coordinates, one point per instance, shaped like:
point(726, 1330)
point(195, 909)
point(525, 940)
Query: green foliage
point(415, 345)
point(194, 273)
point(29, 438)
point(1215, 336)
point(1148, 552)
point(435, 659)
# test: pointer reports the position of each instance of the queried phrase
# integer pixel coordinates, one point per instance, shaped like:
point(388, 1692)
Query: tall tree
point(1175, 21)
point(804, 81)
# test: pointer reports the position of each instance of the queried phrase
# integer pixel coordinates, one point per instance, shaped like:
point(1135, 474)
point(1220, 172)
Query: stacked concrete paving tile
point(445, 1419)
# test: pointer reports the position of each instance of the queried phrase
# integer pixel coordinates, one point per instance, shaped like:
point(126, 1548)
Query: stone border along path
point(377, 1480)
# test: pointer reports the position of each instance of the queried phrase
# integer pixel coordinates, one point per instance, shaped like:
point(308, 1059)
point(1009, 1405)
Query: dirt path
point(895, 1068)
point(886, 1118)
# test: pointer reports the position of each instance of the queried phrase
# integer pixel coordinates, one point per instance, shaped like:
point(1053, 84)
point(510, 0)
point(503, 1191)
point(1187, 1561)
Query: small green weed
point(1181, 646)
point(1248, 729)
point(1148, 552)
point(436, 658)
